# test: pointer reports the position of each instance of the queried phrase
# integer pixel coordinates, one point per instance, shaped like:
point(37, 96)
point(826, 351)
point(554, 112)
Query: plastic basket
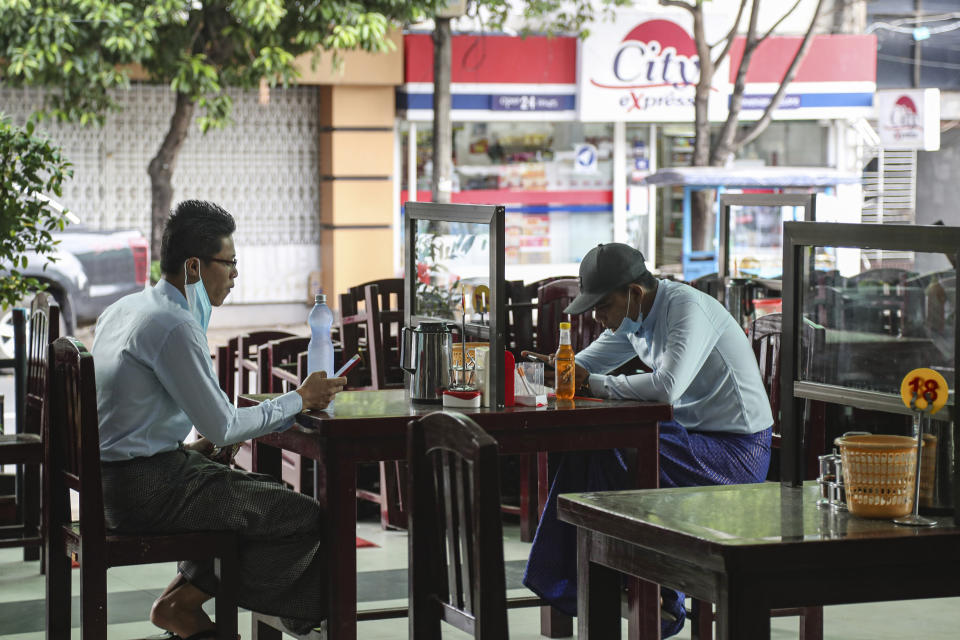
point(878, 472)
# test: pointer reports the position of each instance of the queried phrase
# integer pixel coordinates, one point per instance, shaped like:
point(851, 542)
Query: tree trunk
point(701, 202)
point(161, 170)
point(440, 182)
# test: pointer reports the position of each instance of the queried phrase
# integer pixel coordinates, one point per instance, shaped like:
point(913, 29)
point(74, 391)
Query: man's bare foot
point(181, 612)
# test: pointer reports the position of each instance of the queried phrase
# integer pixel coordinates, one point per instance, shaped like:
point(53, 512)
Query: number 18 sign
point(929, 387)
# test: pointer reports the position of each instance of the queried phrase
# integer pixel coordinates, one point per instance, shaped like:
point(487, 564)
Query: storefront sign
point(909, 118)
point(642, 68)
point(501, 102)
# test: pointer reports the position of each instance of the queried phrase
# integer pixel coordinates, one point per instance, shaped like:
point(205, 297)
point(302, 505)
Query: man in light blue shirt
point(155, 383)
point(701, 363)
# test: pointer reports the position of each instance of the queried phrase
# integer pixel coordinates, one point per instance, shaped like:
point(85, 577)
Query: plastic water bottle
point(320, 349)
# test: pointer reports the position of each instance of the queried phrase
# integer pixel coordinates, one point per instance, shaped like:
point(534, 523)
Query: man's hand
point(200, 445)
point(318, 390)
point(549, 362)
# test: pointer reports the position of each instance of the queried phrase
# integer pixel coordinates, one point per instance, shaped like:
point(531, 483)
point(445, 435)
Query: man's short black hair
point(195, 229)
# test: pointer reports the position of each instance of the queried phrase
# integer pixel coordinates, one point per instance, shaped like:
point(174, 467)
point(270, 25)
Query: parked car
point(92, 270)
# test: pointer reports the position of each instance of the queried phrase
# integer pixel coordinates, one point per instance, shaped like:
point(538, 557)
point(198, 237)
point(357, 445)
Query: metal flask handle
point(408, 350)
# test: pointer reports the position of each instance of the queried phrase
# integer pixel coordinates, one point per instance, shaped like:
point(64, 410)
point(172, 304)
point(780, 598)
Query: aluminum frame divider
point(491, 215)
point(797, 236)
point(806, 200)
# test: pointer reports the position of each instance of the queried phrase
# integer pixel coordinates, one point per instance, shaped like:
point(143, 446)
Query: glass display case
point(442, 241)
point(883, 299)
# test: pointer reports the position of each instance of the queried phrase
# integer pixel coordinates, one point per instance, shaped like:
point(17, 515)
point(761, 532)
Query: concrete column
point(356, 185)
point(619, 182)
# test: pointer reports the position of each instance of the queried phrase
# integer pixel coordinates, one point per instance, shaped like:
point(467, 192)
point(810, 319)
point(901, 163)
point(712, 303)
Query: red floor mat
point(364, 543)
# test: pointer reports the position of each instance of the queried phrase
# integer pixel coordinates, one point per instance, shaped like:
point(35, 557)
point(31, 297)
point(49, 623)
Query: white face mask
point(629, 326)
point(197, 299)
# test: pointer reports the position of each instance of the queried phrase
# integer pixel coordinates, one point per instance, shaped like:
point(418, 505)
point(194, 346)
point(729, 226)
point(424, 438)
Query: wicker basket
point(878, 472)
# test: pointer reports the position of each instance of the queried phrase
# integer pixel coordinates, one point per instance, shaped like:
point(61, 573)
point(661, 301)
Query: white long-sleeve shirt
point(702, 364)
point(155, 381)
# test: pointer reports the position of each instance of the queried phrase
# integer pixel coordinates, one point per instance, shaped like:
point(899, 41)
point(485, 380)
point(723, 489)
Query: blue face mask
point(629, 326)
point(197, 299)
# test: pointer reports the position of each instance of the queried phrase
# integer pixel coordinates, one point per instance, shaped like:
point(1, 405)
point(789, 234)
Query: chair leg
point(811, 623)
point(701, 627)
point(392, 515)
point(58, 592)
point(93, 599)
point(262, 630)
point(227, 568)
point(529, 515)
point(31, 509)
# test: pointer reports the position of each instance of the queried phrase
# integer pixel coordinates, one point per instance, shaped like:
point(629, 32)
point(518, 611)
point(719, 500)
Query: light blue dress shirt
point(155, 381)
point(702, 364)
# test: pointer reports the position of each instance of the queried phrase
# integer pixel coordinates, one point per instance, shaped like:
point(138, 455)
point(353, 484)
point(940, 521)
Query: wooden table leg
point(740, 614)
point(339, 496)
point(643, 598)
point(553, 623)
point(598, 595)
point(266, 459)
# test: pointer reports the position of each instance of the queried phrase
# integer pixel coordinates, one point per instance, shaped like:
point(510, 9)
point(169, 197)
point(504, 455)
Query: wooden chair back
point(356, 334)
point(247, 348)
point(279, 364)
point(383, 303)
point(43, 327)
point(72, 443)
point(552, 298)
point(455, 565)
point(765, 338)
point(710, 284)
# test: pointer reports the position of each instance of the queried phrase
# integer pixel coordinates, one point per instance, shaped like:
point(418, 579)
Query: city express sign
point(644, 68)
point(909, 118)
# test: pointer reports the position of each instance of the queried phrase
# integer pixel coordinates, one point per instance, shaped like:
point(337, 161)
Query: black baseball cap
point(606, 268)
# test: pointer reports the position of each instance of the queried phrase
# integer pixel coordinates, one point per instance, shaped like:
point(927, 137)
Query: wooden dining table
point(369, 426)
point(749, 549)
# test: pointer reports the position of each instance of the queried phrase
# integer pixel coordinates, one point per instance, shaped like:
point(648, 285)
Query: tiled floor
point(382, 582)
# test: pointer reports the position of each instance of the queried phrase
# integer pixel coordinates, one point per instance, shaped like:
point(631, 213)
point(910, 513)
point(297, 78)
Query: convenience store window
point(791, 144)
point(558, 204)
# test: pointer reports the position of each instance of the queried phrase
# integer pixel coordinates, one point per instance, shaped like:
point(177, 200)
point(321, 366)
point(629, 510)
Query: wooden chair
point(24, 449)
point(879, 305)
point(30, 380)
point(552, 299)
point(354, 325)
point(765, 333)
point(239, 368)
point(281, 367)
point(455, 567)
point(710, 284)
point(72, 454)
point(247, 346)
point(383, 310)
point(278, 364)
point(383, 302)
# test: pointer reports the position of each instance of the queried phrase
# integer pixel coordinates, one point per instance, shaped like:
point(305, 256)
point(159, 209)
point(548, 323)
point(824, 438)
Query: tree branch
point(754, 131)
point(721, 147)
point(677, 3)
point(780, 21)
point(730, 37)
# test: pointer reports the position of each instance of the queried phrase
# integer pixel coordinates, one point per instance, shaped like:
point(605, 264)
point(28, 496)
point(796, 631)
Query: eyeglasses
point(232, 263)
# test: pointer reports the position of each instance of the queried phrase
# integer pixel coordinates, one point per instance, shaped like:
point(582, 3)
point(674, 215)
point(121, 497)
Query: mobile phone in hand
point(349, 364)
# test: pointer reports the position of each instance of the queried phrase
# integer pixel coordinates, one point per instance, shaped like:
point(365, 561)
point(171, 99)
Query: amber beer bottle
point(564, 366)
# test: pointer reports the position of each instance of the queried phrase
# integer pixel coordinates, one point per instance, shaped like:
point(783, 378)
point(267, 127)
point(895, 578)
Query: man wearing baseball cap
point(701, 363)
